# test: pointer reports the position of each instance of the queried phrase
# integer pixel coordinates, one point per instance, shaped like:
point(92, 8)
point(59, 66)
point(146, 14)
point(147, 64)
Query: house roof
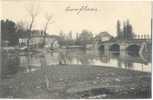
point(102, 34)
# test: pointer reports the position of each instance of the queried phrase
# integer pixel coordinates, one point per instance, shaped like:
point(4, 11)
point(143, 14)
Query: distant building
point(103, 36)
point(53, 41)
point(36, 39)
point(23, 42)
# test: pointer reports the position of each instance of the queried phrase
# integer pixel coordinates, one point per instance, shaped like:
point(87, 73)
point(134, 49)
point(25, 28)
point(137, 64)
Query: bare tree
point(33, 13)
point(22, 25)
point(70, 37)
point(43, 61)
point(61, 34)
point(49, 20)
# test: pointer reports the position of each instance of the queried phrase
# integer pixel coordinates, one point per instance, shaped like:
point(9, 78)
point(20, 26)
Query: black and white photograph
point(64, 49)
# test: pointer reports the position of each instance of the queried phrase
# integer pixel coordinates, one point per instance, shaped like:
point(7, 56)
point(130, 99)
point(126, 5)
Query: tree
point(119, 32)
point(8, 30)
point(77, 36)
point(21, 26)
point(130, 34)
point(128, 30)
point(62, 35)
point(85, 37)
point(33, 13)
point(70, 37)
point(22, 29)
point(124, 31)
point(48, 19)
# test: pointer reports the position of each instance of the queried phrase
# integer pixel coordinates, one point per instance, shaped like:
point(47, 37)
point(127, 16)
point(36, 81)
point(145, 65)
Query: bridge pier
point(106, 47)
point(123, 46)
point(143, 48)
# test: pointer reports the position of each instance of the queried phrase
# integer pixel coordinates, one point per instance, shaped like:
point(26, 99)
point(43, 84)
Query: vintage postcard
point(62, 49)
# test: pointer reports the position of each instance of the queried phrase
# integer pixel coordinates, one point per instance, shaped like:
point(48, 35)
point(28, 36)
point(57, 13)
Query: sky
point(104, 19)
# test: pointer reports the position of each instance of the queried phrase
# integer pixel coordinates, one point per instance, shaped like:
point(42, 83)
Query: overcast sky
point(104, 19)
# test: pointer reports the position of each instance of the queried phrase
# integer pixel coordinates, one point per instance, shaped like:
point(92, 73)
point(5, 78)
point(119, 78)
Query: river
point(19, 63)
point(19, 76)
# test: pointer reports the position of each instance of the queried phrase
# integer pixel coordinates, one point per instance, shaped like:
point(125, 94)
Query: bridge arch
point(133, 49)
point(114, 47)
point(101, 48)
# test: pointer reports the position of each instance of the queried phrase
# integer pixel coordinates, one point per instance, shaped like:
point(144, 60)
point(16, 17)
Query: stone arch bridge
point(138, 45)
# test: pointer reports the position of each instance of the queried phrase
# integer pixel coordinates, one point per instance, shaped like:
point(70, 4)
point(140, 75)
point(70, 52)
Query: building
point(36, 39)
point(53, 41)
point(23, 42)
point(103, 36)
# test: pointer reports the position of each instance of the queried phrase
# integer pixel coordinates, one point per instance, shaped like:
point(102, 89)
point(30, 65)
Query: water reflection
point(12, 63)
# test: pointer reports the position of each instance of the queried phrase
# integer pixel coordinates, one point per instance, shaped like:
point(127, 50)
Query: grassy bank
point(77, 81)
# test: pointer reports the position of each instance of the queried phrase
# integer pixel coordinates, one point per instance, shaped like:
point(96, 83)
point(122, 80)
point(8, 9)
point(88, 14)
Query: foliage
point(85, 37)
point(127, 32)
point(9, 32)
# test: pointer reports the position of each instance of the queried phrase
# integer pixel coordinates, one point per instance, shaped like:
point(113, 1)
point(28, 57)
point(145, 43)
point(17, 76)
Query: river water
point(19, 63)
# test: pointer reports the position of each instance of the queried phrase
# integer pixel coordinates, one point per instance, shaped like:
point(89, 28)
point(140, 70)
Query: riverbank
point(77, 81)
